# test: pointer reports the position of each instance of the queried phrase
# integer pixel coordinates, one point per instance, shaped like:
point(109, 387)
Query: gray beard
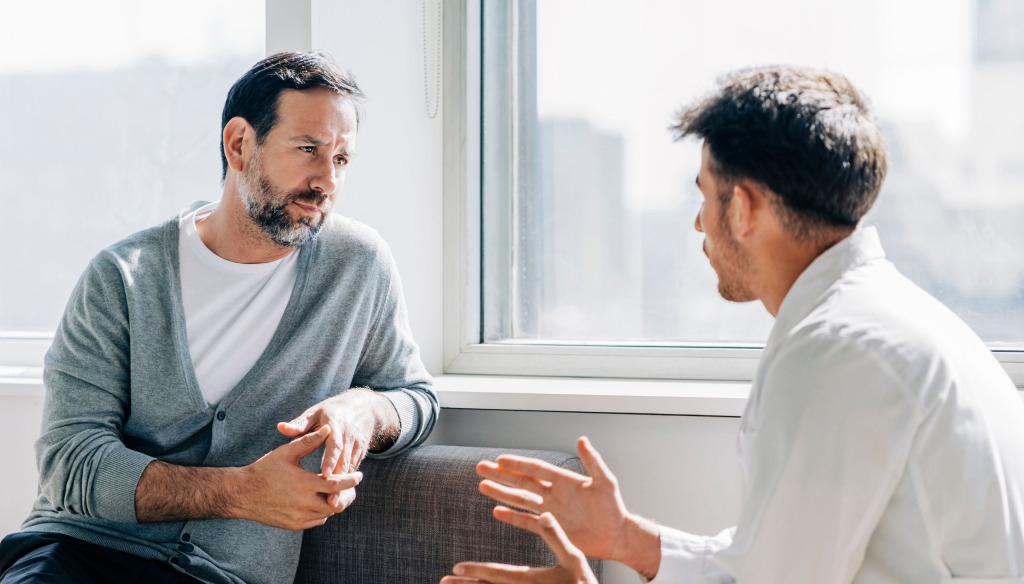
point(273, 220)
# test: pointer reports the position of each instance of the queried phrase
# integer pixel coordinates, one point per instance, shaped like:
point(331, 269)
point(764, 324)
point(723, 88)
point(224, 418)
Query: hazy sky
point(628, 66)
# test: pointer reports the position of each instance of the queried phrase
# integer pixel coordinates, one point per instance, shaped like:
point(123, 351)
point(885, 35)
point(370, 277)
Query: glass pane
point(110, 118)
point(603, 202)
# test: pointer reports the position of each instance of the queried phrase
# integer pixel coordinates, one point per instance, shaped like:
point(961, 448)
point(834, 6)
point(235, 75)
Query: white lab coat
point(882, 443)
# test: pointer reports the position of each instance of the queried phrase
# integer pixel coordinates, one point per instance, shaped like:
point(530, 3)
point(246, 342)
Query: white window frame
point(464, 351)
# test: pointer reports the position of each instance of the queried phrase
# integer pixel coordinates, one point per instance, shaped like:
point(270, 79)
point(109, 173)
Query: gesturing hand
point(589, 509)
point(280, 493)
point(572, 567)
point(354, 416)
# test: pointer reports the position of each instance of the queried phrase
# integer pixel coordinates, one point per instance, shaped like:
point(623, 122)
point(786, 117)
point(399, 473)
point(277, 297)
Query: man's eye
point(308, 149)
point(341, 161)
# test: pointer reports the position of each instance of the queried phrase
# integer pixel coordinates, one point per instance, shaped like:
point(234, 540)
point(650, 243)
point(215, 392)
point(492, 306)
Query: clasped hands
point(576, 515)
point(283, 494)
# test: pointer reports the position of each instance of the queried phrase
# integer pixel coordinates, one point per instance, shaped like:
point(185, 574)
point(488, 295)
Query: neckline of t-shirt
point(194, 244)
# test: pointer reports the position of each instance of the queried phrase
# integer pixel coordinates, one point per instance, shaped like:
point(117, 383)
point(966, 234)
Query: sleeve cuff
point(408, 415)
point(683, 557)
point(117, 478)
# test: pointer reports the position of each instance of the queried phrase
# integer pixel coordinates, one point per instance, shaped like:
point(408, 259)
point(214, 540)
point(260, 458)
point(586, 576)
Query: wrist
point(387, 426)
point(639, 546)
point(237, 483)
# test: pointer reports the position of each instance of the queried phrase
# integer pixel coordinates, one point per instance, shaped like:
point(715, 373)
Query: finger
point(352, 454)
point(341, 482)
point(527, 521)
point(341, 500)
point(308, 443)
point(332, 455)
point(300, 425)
point(491, 572)
point(592, 460)
point(345, 498)
point(553, 534)
point(539, 469)
point(459, 580)
point(509, 496)
point(336, 484)
point(491, 470)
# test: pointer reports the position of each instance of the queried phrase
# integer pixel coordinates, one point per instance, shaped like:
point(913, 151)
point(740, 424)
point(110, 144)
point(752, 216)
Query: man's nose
point(325, 179)
point(696, 222)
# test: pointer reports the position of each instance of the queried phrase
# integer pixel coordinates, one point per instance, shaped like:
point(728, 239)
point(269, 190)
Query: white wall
point(21, 409)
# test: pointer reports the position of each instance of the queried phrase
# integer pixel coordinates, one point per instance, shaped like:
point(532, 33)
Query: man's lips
point(308, 208)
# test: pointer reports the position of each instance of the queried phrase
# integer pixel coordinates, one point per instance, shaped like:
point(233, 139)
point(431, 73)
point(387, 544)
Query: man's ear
point(742, 209)
point(750, 208)
point(239, 139)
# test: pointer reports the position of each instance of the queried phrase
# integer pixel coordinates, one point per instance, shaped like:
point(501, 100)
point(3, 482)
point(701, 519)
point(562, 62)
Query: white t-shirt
point(231, 310)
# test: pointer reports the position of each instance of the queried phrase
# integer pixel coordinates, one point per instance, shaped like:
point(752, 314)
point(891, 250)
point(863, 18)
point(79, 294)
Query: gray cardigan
point(121, 391)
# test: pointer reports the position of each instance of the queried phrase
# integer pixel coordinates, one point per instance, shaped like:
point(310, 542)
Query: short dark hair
point(255, 95)
point(805, 134)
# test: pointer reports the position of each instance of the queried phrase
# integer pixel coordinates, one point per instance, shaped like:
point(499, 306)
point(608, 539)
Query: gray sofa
point(415, 516)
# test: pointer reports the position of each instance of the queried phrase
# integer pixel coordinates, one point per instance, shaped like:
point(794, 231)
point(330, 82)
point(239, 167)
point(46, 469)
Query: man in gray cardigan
point(199, 362)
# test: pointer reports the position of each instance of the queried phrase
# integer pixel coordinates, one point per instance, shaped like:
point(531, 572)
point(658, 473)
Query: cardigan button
point(221, 415)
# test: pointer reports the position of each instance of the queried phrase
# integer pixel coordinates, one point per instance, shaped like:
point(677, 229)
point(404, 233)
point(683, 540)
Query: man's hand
point(283, 494)
point(589, 509)
point(275, 490)
point(360, 420)
point(572, 565)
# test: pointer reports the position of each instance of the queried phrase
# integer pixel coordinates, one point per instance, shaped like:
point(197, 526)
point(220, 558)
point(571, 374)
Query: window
point(110, 117)
point(589, 261)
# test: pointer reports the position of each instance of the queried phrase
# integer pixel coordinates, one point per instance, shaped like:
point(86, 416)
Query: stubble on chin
point(734, 271)
point(268, 215)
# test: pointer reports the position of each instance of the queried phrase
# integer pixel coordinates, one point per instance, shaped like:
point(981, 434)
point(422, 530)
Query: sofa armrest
point(418, 514)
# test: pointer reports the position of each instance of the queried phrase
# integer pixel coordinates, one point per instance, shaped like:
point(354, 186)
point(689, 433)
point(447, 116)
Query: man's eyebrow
point(309, 139)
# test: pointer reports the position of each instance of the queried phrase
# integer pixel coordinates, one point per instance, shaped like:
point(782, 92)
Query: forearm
point(168, 492)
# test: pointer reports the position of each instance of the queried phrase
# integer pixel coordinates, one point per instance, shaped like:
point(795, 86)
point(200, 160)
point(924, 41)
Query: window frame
point(465, 352)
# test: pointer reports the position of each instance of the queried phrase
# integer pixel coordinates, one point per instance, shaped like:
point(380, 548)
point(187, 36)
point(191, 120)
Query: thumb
point(308, 443)
point(296, 427)
point(555, 537)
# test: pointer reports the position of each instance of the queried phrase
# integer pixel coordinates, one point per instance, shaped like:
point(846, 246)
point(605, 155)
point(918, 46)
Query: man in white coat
point(882, 442)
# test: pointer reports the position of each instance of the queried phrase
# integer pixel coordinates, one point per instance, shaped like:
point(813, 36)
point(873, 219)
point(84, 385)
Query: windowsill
point(566, 394)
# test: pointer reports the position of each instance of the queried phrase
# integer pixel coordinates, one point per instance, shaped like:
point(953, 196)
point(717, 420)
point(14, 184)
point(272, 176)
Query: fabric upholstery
point(416, 516)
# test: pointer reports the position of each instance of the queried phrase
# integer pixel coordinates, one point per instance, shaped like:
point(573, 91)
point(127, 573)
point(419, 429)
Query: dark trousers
point(35, 558)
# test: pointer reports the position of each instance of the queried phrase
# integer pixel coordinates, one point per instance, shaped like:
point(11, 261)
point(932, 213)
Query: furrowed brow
point(306, 138)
